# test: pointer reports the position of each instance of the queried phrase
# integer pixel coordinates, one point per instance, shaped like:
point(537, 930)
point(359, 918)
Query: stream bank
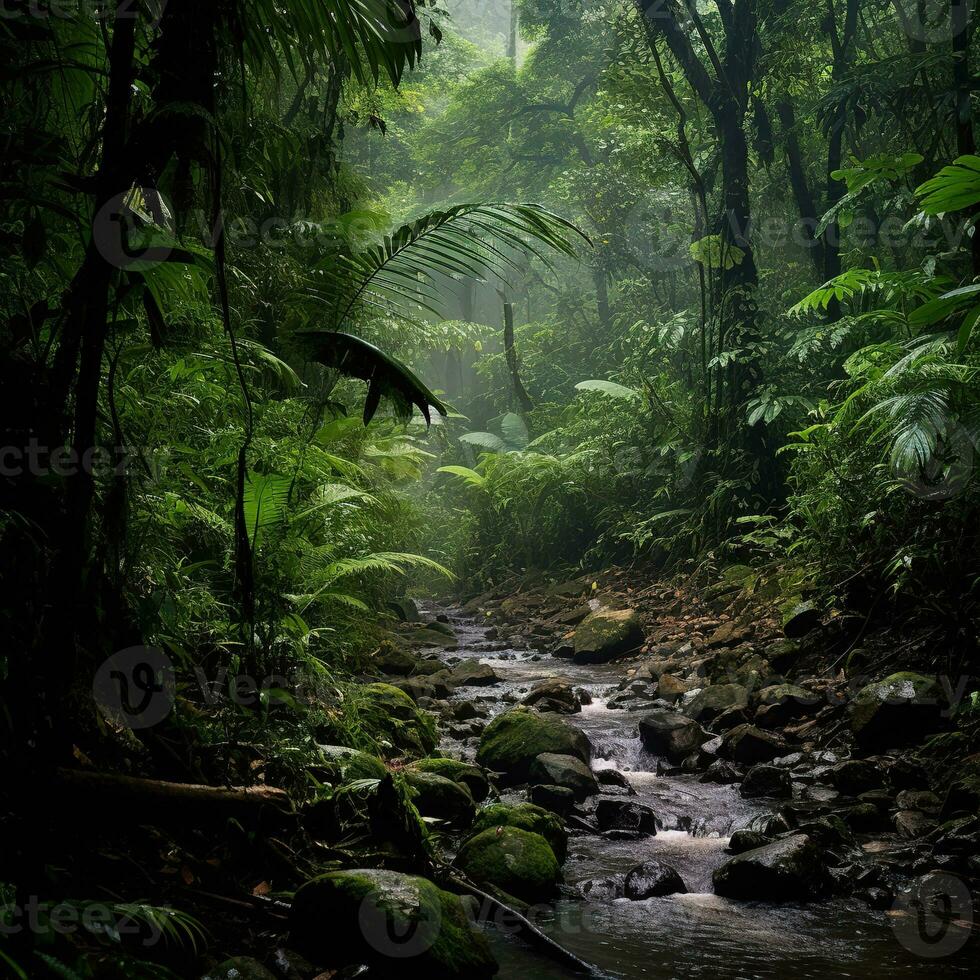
point(876, 860)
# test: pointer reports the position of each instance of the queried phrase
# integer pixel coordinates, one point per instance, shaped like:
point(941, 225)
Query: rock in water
point(897, 711)
point(787, 870)
point(712, 701)
point(512, 741)
point(764, 780)
point(652, 879)
point(626, 815)
point(671, 734)
point(606, 634)
point(400, 925)
point(553, 694)
point(549, 769)
point(557, 799)
point(747, 744)
point(517, 862)
point(473, 675)
point(525, 816)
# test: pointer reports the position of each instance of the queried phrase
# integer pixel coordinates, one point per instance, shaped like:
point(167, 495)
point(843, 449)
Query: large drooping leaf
point(955, 188)
point(473, 478)
point(514, 431)
point(385, 375)
point(373, 37)
point(485, 440)
point(608, 388)
point(469, 240)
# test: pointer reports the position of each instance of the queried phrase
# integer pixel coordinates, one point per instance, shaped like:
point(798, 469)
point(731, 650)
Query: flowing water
point(698, 934)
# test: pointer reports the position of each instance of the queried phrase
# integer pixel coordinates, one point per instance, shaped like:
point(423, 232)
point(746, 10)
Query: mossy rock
point(899, 710)
point(512, 741)
point(340, 764)
point(440, 798)
point(391, 717)
point(514, 861)
point(400, 925)
point(394, 659)
point(606, 634)
point(464, 773)
point(549, 769)
point(239, 968)
point(525, 816)
point(712, 701)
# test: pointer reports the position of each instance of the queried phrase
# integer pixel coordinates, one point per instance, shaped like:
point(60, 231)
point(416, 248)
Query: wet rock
point(338, 764)
point(525, 816)
point(728, 635)
point(464, 773)
point(899, 710)
point(670, 687)
point(405, 609)
point(606, 634)
point(618, 814)
point(747, 745)
point(783, 654)
point(671, 734)
point(721, 771)
point(415, 732)
point(467, 710)
point(780, 704)
point(924, 800)
point(799, 618)
point(557, 799)
point(856, 776)
point(240, 968)
point(440, 798)
point(652, 879)
point(712, 701)
point(602, 889)
point(334, 917)
point(864, 818)
point(880, 899)
point(473, 675)
point(731, 718)
point(746, 840)
point(516, 861)
point(584, 697)
point(911, 824)
point(512, 741)
point(551, 769)
point(827, 831)
point(613, 777)
point(553, 694)
point(766, 780)
point(791, 869)
point(392, 659)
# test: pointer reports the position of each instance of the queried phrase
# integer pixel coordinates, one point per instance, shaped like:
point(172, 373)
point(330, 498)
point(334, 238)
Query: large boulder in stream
point(671, 734)
point(553, 694)
point(514, 861)
point(899, 710)
point(712, 701)
point(549, 769)
point(470, 674)
point(399, 925)
point(464, 773)
point(514, 739)
point(748, 745)
point(605, 635)
point(791, 869)
point(525, 816)
point(653, 879)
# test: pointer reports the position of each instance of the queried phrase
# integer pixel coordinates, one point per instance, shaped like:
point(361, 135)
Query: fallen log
point(158, 799)
point(525, 928)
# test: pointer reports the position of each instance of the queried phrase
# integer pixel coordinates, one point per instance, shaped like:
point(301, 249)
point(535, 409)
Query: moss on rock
point(525, 816)
point(605, 634)
point(392, 719)
point(464, 773)
point(512, 741)
point(515, 861)
point(400, 925)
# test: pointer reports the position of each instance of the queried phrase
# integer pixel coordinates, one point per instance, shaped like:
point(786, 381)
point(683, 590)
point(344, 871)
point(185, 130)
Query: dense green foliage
point(306, 304)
